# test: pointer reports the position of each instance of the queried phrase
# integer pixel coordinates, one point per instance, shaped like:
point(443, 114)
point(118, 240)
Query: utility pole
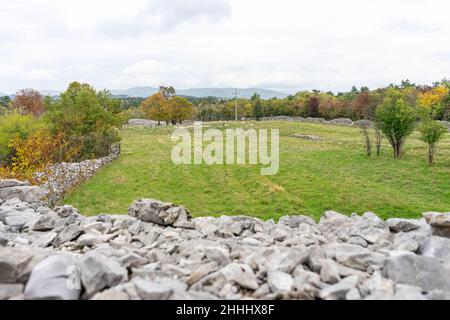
point(236, 93)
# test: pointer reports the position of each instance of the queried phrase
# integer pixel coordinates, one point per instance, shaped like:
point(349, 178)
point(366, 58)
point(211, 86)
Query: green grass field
point(314, 176)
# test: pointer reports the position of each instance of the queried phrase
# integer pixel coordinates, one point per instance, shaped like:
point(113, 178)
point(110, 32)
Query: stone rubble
point(159, 252)
point(307, 137)
point(143, 123)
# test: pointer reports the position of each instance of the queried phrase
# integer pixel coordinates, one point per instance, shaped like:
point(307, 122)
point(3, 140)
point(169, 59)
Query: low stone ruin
point(144, 123)
point(337, 122)
point(159, 252)
point(307, 137)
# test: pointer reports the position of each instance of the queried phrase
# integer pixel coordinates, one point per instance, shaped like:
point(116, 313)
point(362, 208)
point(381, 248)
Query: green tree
point(431, 133)
point(257, 111)
point(85, 116)
point(167, 92)
point(5, 102)
point(396, 119)
point(180, 109)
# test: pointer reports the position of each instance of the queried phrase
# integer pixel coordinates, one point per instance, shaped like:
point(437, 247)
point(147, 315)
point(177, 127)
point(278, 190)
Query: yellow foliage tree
point(431, 100)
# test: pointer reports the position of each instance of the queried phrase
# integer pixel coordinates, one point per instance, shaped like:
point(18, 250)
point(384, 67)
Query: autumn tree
point(433, 101)
point(155, 108)
point(362, 105)
point(313, 107)
point(29, 101)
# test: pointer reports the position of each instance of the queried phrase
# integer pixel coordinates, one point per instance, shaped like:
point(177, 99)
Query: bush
point(14, 126)
point(36, 153)
point(431, 132)
point(396, 119)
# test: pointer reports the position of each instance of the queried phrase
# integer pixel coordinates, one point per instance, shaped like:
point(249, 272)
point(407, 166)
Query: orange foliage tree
point(155, 108)
point(29, 101)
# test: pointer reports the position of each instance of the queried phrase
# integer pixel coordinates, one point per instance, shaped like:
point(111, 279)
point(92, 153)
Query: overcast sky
point(278, 44)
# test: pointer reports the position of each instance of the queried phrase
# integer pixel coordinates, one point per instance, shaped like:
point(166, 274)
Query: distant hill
point(139, 92)
point(144, 92)
point(50, 93)
point(228, 93)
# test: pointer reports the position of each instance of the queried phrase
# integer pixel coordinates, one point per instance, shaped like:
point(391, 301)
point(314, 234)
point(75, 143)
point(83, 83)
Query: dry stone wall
point(158, 251)
point(62, 177)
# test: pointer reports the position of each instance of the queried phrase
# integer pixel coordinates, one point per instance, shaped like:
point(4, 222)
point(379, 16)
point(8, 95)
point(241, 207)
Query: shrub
point(36, 153)
point(15, 126)
point(431, 132)
point(396, 119)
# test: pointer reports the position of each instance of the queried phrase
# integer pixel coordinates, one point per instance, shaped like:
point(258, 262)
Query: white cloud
point(18, 71)
point(288, 44)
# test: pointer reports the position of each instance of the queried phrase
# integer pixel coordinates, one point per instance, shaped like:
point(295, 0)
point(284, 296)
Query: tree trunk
point(431, 151)
point(378, 139)
point(398, 149)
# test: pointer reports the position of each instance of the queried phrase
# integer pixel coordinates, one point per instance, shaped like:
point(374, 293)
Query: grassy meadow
point(315, 176)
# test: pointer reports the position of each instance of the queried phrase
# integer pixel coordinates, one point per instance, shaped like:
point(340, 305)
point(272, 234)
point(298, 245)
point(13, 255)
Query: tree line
point(355, 104)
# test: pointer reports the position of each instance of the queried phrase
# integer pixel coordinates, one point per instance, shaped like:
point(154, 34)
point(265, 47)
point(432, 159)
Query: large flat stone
point(415, 270)
point(28, 194)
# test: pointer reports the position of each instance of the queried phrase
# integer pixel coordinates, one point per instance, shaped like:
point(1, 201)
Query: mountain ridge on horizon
point(143, 92)
point(227, 93)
